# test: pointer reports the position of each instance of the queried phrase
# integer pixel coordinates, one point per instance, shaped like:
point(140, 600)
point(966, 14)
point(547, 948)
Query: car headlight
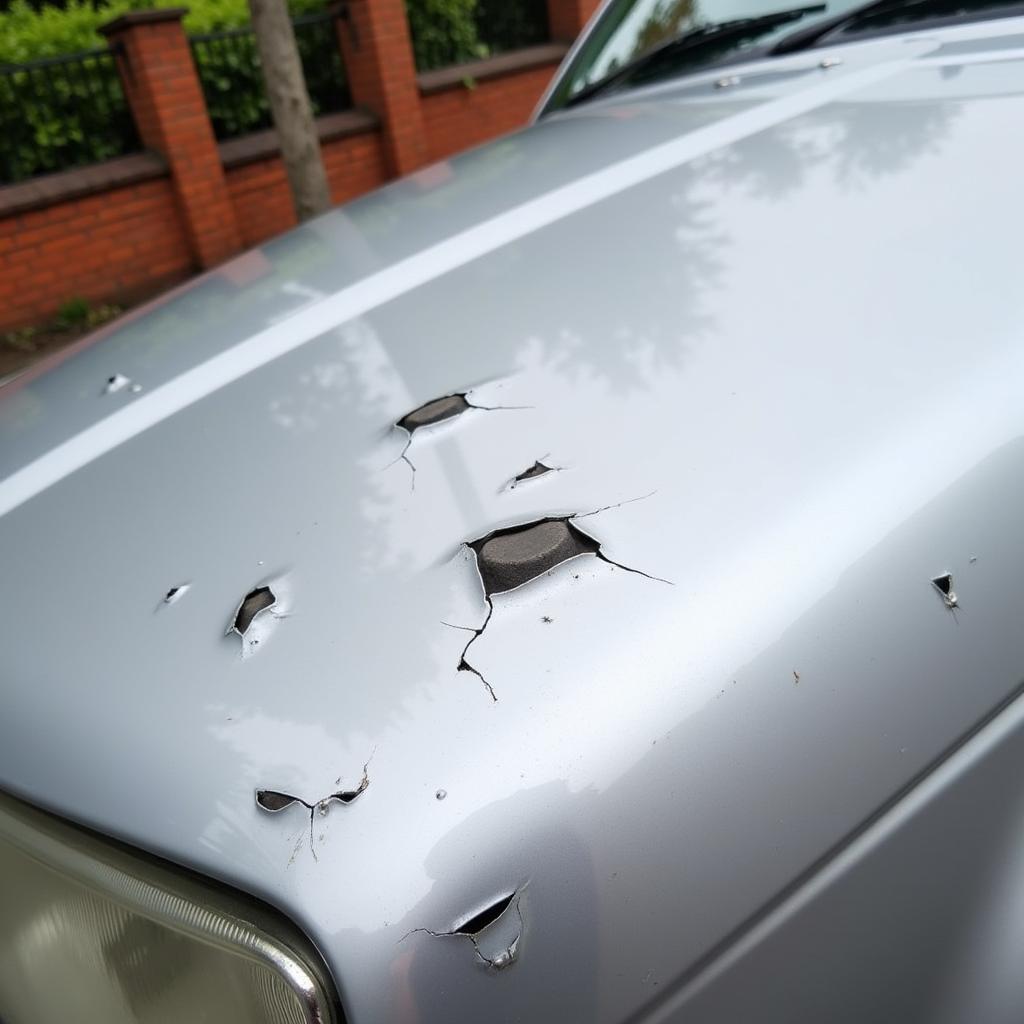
point(93, 932)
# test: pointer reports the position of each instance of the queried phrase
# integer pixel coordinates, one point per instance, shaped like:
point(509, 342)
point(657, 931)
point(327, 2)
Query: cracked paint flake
point(495, 931)
point(437, 410)
point(513, 556)
point(273, 801)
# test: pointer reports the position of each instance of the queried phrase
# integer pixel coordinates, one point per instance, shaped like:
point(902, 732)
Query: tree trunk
point(290, 107)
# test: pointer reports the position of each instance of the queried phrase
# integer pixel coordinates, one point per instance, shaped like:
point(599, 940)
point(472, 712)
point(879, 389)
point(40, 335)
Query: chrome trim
point(186, 903)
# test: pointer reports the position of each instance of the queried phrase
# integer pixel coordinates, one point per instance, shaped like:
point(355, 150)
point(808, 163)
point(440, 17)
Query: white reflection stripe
point(985, 57)
point(313, 320)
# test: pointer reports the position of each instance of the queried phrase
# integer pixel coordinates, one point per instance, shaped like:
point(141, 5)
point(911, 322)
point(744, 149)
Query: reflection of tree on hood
point(858, 141)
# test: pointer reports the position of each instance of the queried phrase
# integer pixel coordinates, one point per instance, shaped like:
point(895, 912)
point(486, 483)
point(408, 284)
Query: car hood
point(767, 339)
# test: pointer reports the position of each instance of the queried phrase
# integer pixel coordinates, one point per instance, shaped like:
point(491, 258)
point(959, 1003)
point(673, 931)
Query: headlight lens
point(91, 932)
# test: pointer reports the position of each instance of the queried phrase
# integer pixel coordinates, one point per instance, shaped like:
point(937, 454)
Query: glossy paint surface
point(772, 331)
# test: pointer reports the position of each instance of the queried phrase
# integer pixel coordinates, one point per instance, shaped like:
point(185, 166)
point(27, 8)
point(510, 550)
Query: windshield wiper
point(805, 38)
point(693, 43)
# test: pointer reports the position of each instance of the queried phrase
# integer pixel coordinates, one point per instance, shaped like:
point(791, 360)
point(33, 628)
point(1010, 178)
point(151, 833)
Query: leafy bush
point(27, 34)
point(446, 32)
point(62, 116)
point(55, 118)
point(443, 32)
point(51, 121)
point(229, 70)
point(440, 26)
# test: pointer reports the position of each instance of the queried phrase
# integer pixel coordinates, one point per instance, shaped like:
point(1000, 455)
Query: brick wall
point(456, 116)
point(122, 242)
point(355, 164)
point(126, 229)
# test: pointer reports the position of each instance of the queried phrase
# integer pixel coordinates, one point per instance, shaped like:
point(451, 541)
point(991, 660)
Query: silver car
point(581, 582)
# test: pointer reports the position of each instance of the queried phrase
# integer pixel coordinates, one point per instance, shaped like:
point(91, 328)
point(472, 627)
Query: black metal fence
point(62, 112)
point(490, 27)
point(229, 69)
point(504, 25)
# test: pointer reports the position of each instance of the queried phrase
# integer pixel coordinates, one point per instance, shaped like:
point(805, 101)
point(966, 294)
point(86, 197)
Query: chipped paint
point(510, 557)
point(274, 801)
point(435, 412)
point(944, 585)
point(495, 931)
point(257, 613)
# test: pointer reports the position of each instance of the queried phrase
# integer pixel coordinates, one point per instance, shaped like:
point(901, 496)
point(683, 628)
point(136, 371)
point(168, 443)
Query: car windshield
point(639, 41)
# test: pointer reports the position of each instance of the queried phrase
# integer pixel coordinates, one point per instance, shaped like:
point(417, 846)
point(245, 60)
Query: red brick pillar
point(566, 18)
point(375, 42)
point(167, 103)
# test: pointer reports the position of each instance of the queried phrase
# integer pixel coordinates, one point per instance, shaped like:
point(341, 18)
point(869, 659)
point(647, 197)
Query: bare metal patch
point(436, 411)
point(258, 613)
point(256, 601)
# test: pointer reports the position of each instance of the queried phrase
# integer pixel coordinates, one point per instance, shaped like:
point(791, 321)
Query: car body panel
point(773, 336)
point(917, 919)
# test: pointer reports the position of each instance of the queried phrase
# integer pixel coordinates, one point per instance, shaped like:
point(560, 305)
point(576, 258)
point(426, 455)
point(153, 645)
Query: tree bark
point(290, 107)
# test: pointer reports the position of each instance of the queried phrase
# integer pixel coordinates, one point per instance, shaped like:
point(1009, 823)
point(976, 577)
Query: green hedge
point(62, 128)
point(232, 80)
point(439, 26)
point(444, 32)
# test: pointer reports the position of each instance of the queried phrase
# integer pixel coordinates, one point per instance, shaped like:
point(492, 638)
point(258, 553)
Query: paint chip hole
point(509, 558)
point(944, 585)
point(270, 800)
point(486, 917)
point(255, 602)
point(538, 469)
point(435, 411)
point(116, 382)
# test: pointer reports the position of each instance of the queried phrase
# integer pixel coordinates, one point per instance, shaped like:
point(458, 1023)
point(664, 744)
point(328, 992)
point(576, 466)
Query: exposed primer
point(944, 585)
point(273, 801)
point(513, 556)
point(495, 931)
point(438, 410)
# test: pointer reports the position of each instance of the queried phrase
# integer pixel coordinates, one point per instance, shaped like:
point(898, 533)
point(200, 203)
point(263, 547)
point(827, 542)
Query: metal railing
point(504, 25)
point(497, 26)
point(62, 112)
point(229, 70)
